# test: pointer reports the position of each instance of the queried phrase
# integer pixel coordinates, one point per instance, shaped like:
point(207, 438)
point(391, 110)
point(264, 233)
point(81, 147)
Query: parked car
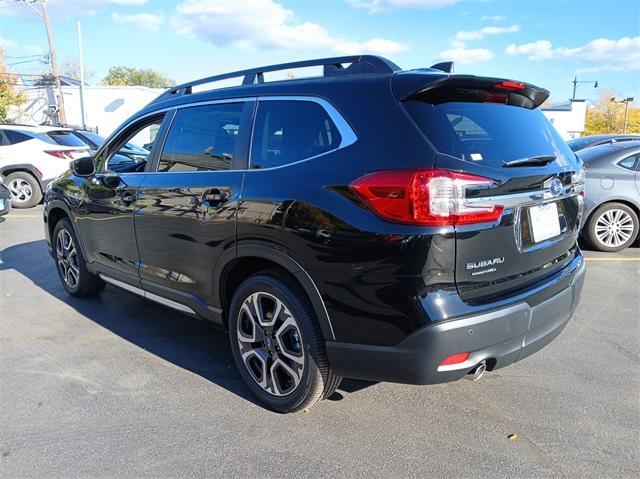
point(372, 223)
point(5, 199)
point(31, 156)
point(583, 142)
point(127, 153)
point(612, 201)
point(91, 139)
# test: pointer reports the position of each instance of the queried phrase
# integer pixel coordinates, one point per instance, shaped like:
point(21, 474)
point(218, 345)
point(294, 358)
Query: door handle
point(214, 197)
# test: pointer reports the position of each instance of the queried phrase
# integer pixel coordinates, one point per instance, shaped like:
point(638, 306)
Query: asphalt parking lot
point(118, 386)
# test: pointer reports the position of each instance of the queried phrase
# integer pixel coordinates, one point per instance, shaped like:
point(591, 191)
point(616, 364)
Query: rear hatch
point(68, 144)
point(493, 128)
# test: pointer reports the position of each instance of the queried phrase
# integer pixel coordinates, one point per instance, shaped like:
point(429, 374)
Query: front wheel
point(71, 266)
point(277, 344)
point(612, 227)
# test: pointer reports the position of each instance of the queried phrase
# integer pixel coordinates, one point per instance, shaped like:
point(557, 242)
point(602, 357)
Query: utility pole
point(62, 117)
point(626, 102)
point(81, 61)
point(44, 13)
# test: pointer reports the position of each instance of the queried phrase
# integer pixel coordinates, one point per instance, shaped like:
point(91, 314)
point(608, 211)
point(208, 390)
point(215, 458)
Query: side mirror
point(83, 166)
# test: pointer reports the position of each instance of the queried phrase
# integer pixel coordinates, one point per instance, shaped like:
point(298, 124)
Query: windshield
point(96, 139)
point(489, 134)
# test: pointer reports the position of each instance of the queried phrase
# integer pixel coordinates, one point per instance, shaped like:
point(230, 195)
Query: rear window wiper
point(539, 160)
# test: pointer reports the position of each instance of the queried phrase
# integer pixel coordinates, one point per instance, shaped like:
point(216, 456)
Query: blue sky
point(542, 42)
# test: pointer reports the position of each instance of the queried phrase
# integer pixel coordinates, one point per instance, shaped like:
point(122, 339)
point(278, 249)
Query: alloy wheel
point(614, 228)
point(20, 189)
point(67, 258)
point(270, 343)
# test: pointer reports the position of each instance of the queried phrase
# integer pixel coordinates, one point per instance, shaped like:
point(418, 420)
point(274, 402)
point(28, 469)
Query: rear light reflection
point(430, 197)
point(63, 154)
point(455, 359)
point(509, 85)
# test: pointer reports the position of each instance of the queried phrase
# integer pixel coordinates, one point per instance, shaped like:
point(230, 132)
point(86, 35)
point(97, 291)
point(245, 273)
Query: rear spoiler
point(470, 88)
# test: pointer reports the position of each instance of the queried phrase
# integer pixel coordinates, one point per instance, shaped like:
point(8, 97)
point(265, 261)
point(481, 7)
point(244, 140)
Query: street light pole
point(626, 102)
point(575, 85)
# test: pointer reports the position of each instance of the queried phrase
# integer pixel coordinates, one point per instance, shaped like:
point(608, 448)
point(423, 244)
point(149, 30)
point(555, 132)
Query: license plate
point(545, 222)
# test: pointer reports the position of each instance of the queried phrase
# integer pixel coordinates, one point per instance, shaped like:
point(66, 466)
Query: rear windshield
point(580, 143)
point(65, 138)
point(489, 134)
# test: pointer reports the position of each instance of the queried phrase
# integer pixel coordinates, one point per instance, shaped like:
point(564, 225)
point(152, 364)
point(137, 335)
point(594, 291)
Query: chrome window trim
point(347, 135)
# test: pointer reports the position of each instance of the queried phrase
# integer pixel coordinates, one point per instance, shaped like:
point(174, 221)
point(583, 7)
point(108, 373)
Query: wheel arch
point(235, 266)
point(25, 167)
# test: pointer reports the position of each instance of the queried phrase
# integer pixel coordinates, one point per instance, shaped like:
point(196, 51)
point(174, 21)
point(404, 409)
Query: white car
point(32, 156)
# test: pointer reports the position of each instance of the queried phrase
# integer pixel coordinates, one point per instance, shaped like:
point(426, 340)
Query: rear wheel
point(612, 227)
point(24, 188)
point(277, 344)
point(71, 266)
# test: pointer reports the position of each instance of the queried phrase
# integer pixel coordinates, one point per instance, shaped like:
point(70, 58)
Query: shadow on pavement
point(186, 342)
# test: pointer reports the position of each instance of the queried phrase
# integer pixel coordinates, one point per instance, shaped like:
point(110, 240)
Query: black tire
point(596, 221)
point(24, 197)
point(317, 380)
point(87, 284)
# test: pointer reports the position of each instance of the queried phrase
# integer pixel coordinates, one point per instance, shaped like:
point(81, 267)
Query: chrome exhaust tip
point(476, 373)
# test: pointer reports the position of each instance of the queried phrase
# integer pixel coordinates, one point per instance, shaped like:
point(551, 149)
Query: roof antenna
point(446, 67)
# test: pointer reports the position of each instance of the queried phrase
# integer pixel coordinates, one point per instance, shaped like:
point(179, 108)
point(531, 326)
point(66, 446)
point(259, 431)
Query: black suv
point(408, 226)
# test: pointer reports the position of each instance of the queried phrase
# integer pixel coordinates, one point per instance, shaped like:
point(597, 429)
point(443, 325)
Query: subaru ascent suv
point(373, 223)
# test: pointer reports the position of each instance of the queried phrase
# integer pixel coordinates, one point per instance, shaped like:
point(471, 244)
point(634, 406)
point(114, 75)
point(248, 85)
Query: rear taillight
point(63, 154)
point(429, 197)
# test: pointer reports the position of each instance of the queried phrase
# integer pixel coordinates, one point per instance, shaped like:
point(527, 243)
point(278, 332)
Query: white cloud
point(13, 48)
point(459, 54)
point(254, 24)
point(485, 31)
point(69, 8)
point(493, 18)
point(375, 6)
point(145, 21)
point(612, 55)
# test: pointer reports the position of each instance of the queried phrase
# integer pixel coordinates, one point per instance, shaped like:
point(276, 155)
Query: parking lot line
point(612, 259)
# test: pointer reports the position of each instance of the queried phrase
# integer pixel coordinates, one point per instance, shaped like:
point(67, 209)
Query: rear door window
point(288, 131)
point(202, 138)
point(489, 134)
point(65, 138)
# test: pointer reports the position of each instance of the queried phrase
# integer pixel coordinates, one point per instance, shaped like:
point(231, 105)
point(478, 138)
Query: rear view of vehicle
point(504, 198)
point(31, 156)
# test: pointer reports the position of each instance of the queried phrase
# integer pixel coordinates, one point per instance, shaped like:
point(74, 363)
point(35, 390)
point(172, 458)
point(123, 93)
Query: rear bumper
point(501, 337)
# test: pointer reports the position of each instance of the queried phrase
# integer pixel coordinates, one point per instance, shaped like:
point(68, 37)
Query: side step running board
point(148, 295)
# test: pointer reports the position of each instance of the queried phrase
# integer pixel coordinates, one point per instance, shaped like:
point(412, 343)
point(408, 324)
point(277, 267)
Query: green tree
point(10, 98)
point(608, 117)
point(122, 76)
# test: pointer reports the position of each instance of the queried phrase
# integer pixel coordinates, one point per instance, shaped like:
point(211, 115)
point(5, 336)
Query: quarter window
point(10, 137)
point(202, 138)
point(630, 162)
point(288, 131)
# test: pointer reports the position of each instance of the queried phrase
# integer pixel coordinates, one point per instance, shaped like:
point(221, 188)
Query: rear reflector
point(455, 359)
point(430, 197)
point(63, 154)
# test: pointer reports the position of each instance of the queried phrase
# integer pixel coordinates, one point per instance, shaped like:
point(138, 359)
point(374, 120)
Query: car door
point(105, 217)
point(187, 206)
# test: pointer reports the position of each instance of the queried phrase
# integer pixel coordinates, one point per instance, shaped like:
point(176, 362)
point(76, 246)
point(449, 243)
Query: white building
point(568, 117)
point(106, 107)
